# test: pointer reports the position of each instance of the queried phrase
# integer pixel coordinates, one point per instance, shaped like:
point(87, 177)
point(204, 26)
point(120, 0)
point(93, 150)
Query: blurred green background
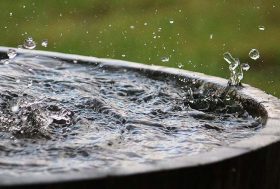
point(192, 33)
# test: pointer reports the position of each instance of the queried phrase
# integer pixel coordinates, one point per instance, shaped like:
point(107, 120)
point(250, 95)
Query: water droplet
point(180, 65)
point(171, 21)
point(261, 28)
point(254, 54)
point(12, 53)
point(11, 14)
point(211, 36)
point(165, 59)
point(75, 61)
point(123, 55)
point(132, 27)
point(245, 66)
point(145, 24)
point(229, 58)
point(44, 43)
point(29, 43)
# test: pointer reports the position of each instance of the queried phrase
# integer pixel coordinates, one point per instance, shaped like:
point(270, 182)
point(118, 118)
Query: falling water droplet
point(261, 28)
point(211, 36)
point(123, 55)
point(44, 43)
point(245, 66)
point(254, 54)
point(229, 58)
point(29, 43)
point(12, 53)
point(165, 59)
point(171, 21)
point(11, 14)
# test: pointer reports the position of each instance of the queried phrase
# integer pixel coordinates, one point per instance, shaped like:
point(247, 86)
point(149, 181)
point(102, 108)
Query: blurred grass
point(117, 29)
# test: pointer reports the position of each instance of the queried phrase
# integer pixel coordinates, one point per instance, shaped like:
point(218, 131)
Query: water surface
point(58, 116)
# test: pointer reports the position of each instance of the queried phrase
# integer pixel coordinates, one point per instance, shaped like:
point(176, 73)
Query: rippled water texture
point(57, 116)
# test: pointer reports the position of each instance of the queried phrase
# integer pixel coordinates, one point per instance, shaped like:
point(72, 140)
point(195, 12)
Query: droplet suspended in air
point(29, 43)
point(12, 53)
point(165, 59)
point(171, 21)
point(44, 43)
point(261, 28)
point(180, 65)
point(254, 54)
point(229, 58)
point(245, 66)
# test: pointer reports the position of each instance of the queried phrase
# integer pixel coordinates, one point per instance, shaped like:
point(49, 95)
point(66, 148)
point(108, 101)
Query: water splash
point(12, 53)
point(236, 69)
point(29, 43)
point(254, 54)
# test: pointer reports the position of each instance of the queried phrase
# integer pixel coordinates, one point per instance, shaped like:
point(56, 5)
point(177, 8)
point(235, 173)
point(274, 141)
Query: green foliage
point(116, 28)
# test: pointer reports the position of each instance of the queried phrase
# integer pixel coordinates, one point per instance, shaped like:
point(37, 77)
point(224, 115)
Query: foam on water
point(57, 116)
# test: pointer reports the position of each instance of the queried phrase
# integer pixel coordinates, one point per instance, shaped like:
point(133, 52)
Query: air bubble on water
point(29, 43)
point(245, 66)
point(165, 59)
point(44, 43)
point(261, 28)
point(254, 54)
point(171, 21)
point(12, 53)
